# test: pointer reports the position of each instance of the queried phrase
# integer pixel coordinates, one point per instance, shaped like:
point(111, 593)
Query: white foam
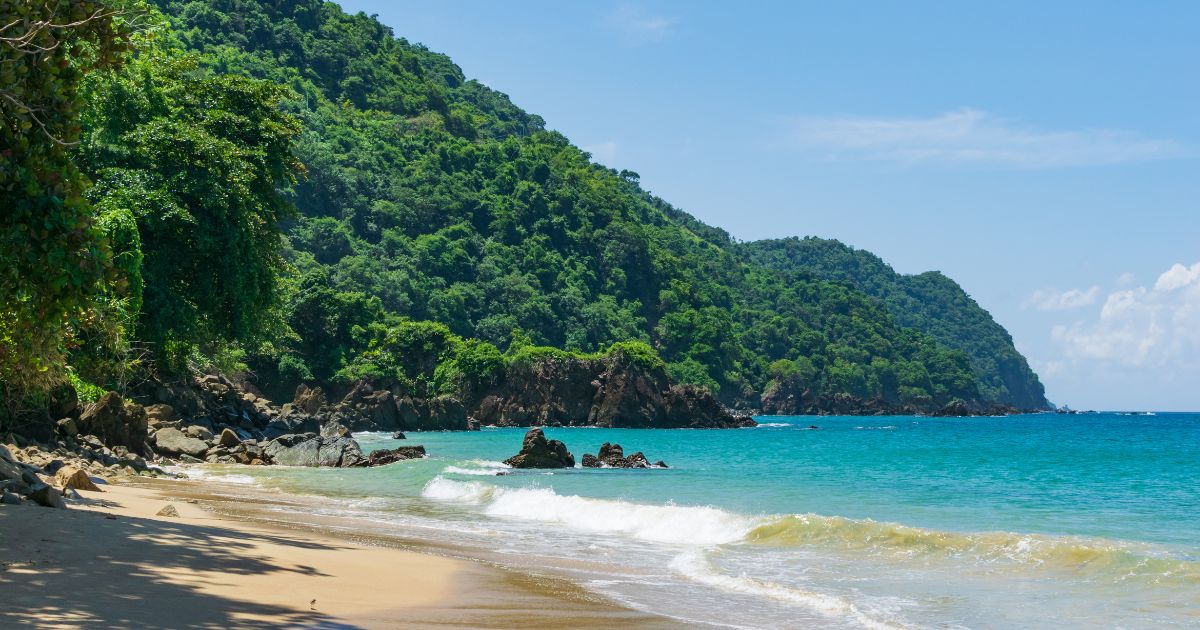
point(198, 473)
point(675, 524)
point(775, 424)
point(695, 567)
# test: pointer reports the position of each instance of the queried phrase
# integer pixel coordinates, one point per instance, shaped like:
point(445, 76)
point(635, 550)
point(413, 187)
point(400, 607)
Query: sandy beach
point(113, 561)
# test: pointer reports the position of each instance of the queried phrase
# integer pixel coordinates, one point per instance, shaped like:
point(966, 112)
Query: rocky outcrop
point(115, 421)
point(383, 457)
point(790, 397)
point(538, 452)
point(610, 391)
point(613, 456)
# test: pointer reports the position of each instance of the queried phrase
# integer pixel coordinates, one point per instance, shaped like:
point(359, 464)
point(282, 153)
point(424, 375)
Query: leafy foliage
point(196, 160)
point(55, 257)
point(444, 202)
point(929, 302)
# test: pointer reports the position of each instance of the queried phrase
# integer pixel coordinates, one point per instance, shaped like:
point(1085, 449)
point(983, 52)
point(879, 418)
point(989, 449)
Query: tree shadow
point(119, 583)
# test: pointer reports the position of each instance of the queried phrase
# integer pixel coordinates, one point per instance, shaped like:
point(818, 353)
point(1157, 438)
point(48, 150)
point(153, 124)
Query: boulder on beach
point(314, 451)
point(47, 496)
point(174, 442)
point(70, 477)
point(168, 510)
point(538, 452)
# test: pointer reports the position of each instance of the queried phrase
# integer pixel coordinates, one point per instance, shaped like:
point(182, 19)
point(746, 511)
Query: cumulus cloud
point(970, 136)
point(1054, 300)
point(1155, 326)
point(638, 26)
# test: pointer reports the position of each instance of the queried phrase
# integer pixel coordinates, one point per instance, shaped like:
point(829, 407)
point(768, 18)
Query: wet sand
point(111, 561)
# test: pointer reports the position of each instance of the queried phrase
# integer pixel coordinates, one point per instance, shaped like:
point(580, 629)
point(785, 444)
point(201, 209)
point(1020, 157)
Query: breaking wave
point(704, 526)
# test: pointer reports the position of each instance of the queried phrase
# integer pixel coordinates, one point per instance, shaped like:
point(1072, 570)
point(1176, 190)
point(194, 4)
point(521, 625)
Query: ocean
point(1032, 521)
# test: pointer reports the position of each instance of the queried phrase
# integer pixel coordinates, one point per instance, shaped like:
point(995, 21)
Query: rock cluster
point(613, 456)
point(46, 477)
point(538, 452)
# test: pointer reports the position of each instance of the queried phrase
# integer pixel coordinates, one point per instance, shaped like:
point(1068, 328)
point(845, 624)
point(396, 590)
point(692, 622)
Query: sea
point(1028, 521)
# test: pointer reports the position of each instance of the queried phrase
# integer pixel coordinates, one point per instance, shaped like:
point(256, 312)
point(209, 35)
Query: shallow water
point(1032, 521)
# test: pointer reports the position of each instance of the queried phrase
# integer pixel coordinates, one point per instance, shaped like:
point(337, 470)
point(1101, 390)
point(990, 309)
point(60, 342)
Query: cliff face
point(613, 391)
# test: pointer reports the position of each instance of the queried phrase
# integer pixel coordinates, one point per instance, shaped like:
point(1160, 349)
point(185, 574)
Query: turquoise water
point(1015, 522)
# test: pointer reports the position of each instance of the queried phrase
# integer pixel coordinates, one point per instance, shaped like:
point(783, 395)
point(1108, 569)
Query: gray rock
point(47, 496)
point(9, 498)
point(314, 451)
point(5, 455)
point(174, 442)
point(199, 432)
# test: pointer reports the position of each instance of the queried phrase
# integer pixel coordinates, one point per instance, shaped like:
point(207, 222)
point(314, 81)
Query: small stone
point(398, 435)
point(169, 510)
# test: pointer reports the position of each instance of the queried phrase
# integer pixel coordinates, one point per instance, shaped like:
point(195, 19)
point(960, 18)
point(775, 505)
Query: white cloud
point(1142, 327)
point(638, 26)
point(1051, 299)
point(1126, 279)
point(603, 152)
point(970, 136)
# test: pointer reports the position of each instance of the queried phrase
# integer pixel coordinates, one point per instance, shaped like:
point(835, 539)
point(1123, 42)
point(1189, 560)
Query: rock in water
point(169, 510)
point(613, 456)
point(70, 477)
point(173, 442)
point(538, 452)
point(398, 435)
point(383, 457)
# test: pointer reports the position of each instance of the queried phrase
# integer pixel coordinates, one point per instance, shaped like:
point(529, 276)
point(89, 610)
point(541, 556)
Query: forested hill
point(929, 302)
point(290, 194)
point(432, 197)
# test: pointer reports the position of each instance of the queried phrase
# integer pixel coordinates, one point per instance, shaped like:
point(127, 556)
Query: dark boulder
point(115, 422)
point(538, 452)
point(383, 457)
point(398, 435)
point(613, 456)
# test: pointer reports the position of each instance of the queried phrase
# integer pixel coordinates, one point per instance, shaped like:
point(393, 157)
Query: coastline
point(223, 563)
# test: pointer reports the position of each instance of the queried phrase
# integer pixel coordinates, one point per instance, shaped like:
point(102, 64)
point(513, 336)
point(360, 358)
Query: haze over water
point(1031, 521)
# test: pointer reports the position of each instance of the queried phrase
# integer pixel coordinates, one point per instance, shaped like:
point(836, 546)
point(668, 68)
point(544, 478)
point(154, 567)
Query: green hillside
point(406, 193)
point(929, 302)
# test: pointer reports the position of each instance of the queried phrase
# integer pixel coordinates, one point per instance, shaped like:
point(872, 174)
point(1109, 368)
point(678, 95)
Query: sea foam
point(688, 525)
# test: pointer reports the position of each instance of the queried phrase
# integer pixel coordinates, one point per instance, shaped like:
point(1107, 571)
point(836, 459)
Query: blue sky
point(1045, 157)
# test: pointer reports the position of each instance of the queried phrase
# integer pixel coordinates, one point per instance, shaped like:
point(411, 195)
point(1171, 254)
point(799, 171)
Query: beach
point(113, 561)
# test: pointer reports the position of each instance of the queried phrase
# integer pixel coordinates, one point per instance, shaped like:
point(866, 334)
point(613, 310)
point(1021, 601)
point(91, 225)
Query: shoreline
point(111, 561)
